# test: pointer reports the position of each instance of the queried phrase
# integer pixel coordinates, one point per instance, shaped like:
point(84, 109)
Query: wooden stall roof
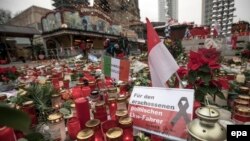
point(18, 31)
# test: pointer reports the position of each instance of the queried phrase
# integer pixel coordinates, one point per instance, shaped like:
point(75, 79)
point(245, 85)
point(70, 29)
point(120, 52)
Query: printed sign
point(161, 111)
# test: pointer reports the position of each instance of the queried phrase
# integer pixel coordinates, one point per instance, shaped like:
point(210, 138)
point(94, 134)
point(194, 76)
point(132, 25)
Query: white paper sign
point(92, 58)
point(161, 111)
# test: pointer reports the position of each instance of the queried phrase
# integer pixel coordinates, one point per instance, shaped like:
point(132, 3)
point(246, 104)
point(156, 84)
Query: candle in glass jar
point(82, 110)
point(122, 103)
point(86, 90)
point(241, 114)
point(120, 113)
point(92, 85)
point(114, 134)
point(245, 98)
point(100, 111)
point(123, 88)
point(29, 108)
point(56, 101)
point(127, 125)
point(73, 109)
point(74, 128)
point(112, 92)
point(112, 107)
point(244, 90)
point(7, 134)
point(95, 125)
point(77, 92)
point(86, 135)
point(57, 127)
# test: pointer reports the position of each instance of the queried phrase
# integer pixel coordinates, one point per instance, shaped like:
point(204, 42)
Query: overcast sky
point(189, 10)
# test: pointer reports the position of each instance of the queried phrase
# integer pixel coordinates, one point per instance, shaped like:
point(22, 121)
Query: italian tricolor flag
point(116, 68)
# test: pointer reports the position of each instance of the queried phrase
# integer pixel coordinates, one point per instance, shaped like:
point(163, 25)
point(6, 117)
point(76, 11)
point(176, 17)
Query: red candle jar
point(107, 125)
point(245, 98)
point(100, 107)
point(7, 134)
point(244, 90)
point(56, 101)
point(127, 125)
point(123, 88)
point(66, 84)
point(122, 103)
point(120, 113)
point(95, 125)
point(73, 109)
point(240, 102)
point(100, 111)
point(104, 94)
point(86, 91)
point(77, 92)
point(112, 92)
point(74, 128)
point(92, 85)
point(109, 81)
point(241, 114)
point(114, 134)
point(82, 110)
point(231, 76)
point(55, 82)
point(29, 108)
point(112, 107)
point(86, 135)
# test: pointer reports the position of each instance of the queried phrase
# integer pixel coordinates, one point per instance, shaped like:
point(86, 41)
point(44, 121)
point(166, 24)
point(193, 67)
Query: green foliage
point(13, 118)
point(41, 95)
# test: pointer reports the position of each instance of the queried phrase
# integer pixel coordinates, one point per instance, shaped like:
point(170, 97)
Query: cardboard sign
point(161, 111)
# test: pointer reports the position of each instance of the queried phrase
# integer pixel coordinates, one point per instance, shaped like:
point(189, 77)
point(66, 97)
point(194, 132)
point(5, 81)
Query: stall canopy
point(17, 31)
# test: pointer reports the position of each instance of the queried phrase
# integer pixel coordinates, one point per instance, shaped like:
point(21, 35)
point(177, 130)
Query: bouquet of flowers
point(7, 74)
point(202, 68)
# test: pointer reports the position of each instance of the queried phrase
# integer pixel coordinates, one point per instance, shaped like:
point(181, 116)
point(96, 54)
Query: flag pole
point(178, 77)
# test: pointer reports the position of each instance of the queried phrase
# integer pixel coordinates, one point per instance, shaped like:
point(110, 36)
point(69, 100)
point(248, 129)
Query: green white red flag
point(117, 69)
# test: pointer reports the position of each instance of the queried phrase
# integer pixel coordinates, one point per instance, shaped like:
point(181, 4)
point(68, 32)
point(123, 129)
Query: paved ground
point(29, 63)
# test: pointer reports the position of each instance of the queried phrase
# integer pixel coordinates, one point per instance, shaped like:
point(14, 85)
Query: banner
point(162, 111)
point(116, 68)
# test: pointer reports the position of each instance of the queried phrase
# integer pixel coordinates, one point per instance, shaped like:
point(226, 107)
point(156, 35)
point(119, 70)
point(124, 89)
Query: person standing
point(83, 48)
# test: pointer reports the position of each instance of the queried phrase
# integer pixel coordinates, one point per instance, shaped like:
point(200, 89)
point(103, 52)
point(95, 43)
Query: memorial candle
point(7, 134)
point(112, 107)
point(82, 110)
point(126, 124)
point(95, 124)
point(74, 128)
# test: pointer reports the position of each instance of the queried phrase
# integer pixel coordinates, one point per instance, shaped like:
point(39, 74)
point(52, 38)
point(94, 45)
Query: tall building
point(207, 8)
point(222, 16)
point(219, 14)
point(167, 9)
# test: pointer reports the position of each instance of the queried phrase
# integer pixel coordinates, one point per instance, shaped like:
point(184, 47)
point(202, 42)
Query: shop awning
point(17, 31)
point(68, 31)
